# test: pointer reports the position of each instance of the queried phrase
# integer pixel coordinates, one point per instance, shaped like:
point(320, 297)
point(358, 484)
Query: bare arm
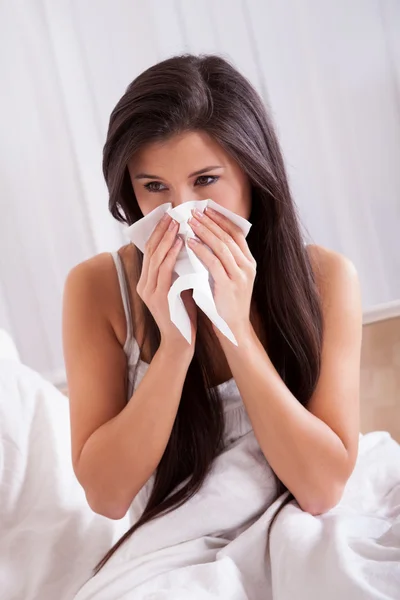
point(313, 450)
point(116, 446)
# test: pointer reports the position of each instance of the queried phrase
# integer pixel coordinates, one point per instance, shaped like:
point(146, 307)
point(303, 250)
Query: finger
point(164, 245)
point(154, 240)
point(165, 271)
point(224, 249)
point(210, 260)
point(157, 234)
point(160, 252)
point(232, 229)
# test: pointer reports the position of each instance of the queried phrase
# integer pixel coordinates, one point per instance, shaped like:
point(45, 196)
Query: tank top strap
point(123, 284)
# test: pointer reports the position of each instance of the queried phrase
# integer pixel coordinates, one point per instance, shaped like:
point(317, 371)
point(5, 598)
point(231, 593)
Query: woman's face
point(188, 166)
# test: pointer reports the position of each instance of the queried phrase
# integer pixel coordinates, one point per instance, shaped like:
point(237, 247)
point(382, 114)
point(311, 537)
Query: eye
point(206, 179)
point(155, 186)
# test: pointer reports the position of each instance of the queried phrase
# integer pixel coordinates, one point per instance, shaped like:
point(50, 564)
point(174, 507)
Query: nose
point(180, 197)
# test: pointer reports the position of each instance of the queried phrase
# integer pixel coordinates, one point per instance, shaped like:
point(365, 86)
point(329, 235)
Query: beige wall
point(380, 377)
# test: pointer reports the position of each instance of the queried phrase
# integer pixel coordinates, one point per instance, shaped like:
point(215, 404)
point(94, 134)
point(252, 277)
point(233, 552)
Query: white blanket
point(49, 538)
point(212, 547)
point(352, 552)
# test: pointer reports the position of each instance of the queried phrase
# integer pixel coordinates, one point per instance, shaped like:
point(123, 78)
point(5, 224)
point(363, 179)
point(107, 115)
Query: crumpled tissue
point(189, 271)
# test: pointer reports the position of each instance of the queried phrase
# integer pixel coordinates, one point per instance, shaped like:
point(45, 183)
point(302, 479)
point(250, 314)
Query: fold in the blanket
point(239, 489)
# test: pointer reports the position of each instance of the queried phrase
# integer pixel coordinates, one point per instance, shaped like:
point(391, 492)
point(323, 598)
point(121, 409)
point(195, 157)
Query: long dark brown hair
point(189, 93)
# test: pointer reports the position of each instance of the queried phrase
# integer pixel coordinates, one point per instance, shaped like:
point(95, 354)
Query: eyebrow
point(200, 172)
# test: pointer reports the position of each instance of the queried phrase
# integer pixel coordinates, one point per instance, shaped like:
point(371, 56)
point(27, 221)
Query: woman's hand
point(160, 254)
point(232, 266)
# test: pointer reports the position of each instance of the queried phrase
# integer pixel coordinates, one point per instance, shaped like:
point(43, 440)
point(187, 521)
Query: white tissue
point(189, 271)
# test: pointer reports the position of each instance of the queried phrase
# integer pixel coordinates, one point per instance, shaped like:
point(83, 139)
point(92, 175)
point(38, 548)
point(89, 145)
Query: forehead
point(184, 152)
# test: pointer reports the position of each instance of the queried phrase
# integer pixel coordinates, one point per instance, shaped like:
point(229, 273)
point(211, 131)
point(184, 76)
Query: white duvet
point(50, 540)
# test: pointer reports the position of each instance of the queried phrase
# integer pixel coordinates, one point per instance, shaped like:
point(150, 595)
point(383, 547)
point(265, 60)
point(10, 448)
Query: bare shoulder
point(326, 262)
point(94, 284)
point(94, 278)
point(93, 271)
point(334, 273)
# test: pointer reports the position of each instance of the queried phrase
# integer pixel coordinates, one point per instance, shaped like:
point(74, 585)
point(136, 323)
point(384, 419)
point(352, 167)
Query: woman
point(191, 128)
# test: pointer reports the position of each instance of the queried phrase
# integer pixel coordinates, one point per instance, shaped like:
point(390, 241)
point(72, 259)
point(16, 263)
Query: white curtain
point(329, 70)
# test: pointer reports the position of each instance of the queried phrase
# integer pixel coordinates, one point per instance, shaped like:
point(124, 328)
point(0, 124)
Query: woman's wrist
point(178, 351)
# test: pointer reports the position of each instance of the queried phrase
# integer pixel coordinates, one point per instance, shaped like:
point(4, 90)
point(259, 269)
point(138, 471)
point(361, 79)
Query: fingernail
point(165, 217)
point(198, 214)
point(171, 226)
